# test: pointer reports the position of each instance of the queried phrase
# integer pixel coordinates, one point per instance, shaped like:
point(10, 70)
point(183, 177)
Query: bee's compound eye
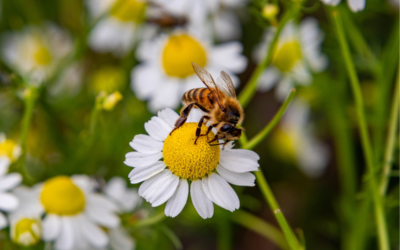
point(226, 127)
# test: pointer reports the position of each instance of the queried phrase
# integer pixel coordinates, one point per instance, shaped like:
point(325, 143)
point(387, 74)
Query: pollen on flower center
point(179, 51)
point(287, 56)
point(61, 196)
point(187, 160)
point(129, 10)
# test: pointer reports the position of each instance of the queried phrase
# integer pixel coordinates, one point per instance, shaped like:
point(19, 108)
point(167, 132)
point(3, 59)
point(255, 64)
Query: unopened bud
point(270, 11)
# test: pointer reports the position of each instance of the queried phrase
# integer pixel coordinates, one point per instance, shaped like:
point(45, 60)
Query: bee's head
point(229, 131)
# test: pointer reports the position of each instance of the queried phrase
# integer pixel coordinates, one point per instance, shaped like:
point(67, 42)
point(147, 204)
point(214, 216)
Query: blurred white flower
point(296, 54)
point(9, 149)
point(354, 5)
point(75, 214)
point(295, 141)
point(70, 81)
point(166, 71)
point(118, 26)
point(36, 52)
point(207, 167)
point(26, 225)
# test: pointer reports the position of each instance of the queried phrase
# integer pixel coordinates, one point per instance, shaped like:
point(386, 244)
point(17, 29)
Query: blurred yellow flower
point(270, 11)
point(129, 10)
point(108, 79)
point(26, 231)
point(9, 148)
point(61, 196)
point(286, 56)
point(111, 100)
point(179, 51)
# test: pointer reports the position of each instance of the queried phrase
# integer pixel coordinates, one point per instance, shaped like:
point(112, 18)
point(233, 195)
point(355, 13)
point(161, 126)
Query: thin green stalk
point(267, 129)
point(365, 140)
point(261, 227)
point(391, 136)
point(224, 229)
point(251, 86)
point(30, 96)
point(273, 204)
point(172, 236)
point(150, 221)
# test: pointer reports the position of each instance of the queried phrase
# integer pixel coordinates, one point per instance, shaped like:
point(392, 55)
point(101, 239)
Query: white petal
point(157, 128)
point(66, 239)
point(356, 5)
point(240, 179)
point(237, 163)
point(138, 175)
point(10, 181)
point(8, 202)
point(302, 74)
point(4, 164)
point(222, 192)
point(102, 211)
point(146, 144)
point(120, 239)
point(203, 205)
point(140, 160)
point(195, 115)
point(166, 95)
point(169, 116)
point(115, 187)
point(227, 57)
point(51, 227)
point(283, 88)
point(178, 201)
point(145, 80)
point(240, 153)
point(159, 188)
point(206, 189)
point(3, 221)
point(94, 234)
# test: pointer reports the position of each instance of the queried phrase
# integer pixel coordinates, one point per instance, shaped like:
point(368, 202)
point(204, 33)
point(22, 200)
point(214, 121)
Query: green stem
point(251, 86)
point(150, 221)
point(261, 227)
point(30, 98)
point(224, 229)
point(273, 204)
point(394, 118)
point(172, 236)
point(267, 129)
point(365, 140)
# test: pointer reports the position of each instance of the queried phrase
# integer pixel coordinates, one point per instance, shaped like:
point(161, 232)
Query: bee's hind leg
point(198, 130)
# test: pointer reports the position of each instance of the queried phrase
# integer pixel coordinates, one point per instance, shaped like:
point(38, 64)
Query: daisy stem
point(261, 227)
point(365, 140)
point(391, 136)
point(30, 96)
point(251, 86)
point(150, 221)
point(263, 133)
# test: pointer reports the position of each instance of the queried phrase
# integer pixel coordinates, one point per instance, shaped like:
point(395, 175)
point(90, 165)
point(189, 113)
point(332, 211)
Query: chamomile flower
point(8, 201)
point(296, 55)
point(206, 167)
point(354, 5)
point(10, 150)
point(36, 52)
point(75, 214)
point(295, 142)
point(118, 25)
point(166, 71)
point(26, 225)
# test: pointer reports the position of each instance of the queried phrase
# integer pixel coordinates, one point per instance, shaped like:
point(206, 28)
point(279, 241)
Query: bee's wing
point(207, 79)
point(226, 84)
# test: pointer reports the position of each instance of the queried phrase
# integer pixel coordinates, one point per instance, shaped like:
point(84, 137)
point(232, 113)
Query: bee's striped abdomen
point(199, 95)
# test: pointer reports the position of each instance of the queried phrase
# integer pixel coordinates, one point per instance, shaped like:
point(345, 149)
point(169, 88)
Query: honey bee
point(218, 102)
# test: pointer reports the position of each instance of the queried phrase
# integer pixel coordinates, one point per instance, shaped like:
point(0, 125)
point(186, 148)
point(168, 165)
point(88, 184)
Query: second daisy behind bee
point(219, 103)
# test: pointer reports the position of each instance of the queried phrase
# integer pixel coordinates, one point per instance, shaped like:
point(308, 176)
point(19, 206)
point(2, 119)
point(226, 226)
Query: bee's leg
point(185, 113)
point(198, 130)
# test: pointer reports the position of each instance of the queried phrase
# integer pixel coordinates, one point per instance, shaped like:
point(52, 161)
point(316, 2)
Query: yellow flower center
point(108, 79)
point(178, 54)
point(42, 56)
point(187, 160)
point(26, 232)
point(7, 148)
point(61, 196)
point(129, 10)
point(287, 56)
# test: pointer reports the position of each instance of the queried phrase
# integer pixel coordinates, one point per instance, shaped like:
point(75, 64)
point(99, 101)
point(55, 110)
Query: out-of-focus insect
point(219, 103)
point(165, 19)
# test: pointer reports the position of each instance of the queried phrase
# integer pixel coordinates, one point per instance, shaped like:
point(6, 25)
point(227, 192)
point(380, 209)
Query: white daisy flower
point(26, 225)
point(354, 5)
point(75, 214)
point(166, 71)
point(206, 167)
point(295, 141)
point(119, 23)
point(297, 53)
point(36, 52)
